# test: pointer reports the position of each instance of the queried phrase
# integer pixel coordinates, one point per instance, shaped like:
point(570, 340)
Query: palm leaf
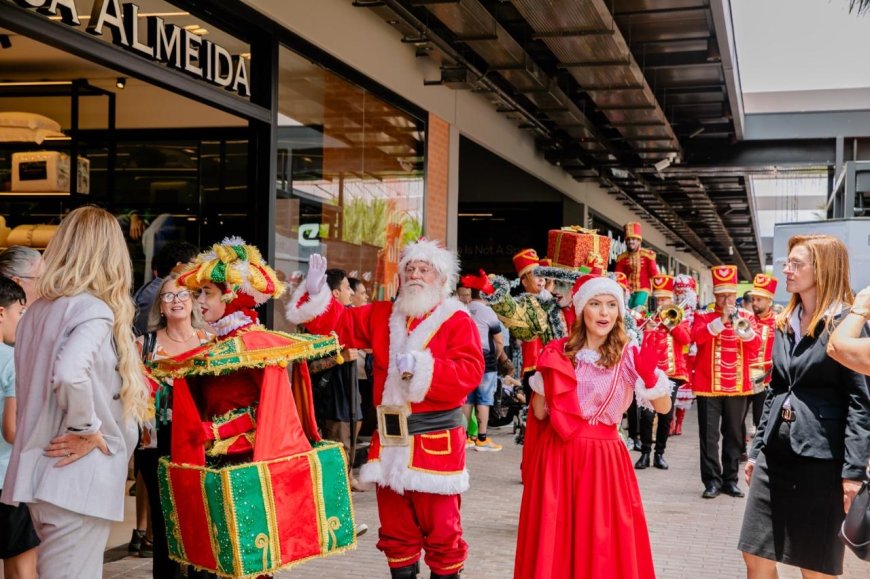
point(859, 6)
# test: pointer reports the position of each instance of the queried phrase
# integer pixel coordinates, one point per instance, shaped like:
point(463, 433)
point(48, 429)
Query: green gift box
point(258, 517)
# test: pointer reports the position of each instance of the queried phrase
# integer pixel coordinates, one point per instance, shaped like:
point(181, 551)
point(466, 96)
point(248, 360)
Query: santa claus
point(427, 358)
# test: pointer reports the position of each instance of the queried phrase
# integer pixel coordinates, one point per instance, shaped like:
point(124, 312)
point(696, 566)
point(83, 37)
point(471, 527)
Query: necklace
point(176, 340)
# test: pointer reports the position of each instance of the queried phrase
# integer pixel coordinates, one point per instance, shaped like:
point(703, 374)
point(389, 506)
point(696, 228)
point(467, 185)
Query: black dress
point(795, 503)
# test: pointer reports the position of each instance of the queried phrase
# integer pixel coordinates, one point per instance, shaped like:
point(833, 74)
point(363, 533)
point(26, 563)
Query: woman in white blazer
point(80, 396)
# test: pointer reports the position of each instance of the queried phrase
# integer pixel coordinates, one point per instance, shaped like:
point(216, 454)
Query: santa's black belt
point(396, 424)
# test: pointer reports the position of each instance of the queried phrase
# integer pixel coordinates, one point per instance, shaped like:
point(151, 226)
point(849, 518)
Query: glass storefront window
point(349, 181)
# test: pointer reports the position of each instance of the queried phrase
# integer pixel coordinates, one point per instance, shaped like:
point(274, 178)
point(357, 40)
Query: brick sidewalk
point(691, 537)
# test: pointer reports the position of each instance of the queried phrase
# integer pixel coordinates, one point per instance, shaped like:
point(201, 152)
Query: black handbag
point(855, 531)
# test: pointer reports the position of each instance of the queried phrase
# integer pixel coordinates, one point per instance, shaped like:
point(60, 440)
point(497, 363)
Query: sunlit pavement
point(691, 537)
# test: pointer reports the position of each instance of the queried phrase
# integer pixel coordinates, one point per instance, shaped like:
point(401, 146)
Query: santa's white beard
point(414, 301)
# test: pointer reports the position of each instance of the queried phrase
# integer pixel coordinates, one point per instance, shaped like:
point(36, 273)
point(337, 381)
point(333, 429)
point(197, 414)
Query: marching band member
point(727, 343)
point(638, 264)
point(670, 334)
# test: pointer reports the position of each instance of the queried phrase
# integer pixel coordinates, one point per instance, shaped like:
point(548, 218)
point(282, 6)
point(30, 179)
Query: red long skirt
point(581, 514)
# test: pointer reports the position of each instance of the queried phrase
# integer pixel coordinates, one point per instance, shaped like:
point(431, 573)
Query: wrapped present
point(254, 518)
point(574, 247)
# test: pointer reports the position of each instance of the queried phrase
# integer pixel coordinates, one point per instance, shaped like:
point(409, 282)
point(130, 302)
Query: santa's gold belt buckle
point(393, 425)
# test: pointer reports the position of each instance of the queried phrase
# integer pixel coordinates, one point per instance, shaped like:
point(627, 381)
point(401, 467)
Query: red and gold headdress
point(724, 279)
point(237, 267)
point(764, 285)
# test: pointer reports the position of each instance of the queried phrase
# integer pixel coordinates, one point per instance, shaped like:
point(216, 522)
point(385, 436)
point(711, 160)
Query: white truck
point(855, 233)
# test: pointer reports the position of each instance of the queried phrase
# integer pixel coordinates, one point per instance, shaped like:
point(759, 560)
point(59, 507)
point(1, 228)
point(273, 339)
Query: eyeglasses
point(793, 265)
point(182, 296)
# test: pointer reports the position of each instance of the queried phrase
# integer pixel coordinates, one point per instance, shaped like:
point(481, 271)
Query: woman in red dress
point(581, 514)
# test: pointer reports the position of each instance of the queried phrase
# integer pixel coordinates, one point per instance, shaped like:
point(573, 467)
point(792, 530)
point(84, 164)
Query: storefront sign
point(169, 44)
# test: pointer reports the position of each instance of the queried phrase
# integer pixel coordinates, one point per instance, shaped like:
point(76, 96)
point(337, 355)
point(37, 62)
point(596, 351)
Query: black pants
point(647, 417)
point(633, 420)
point(721, 416)
point(164, 567)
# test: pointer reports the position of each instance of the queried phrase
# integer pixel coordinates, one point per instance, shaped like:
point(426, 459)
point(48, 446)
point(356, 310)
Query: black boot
point(406, 572)
point(643, 461)
point(659, 461)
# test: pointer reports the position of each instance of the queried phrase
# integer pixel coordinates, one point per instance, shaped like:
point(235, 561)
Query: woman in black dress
point(813, 440)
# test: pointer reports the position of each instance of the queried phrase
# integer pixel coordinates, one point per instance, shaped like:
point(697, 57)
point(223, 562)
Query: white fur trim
point(664, 387)
point(392, 471)
point(595, 287)
point(230, 323)
point(396, 389)
point(315, 306)
point(418, 385)
point(445, 261)
point(536, 382)
point(716, 327)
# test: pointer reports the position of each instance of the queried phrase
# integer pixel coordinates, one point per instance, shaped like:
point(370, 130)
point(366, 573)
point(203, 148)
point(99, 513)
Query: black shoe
point(659, 461)
point(437, 576)
point(732, 490)
point(643, 461)
point(406, 572)
point(136, 541)
point(711, 491)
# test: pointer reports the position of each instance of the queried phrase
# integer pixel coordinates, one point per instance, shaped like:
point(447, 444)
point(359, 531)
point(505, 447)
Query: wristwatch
point(863, 312)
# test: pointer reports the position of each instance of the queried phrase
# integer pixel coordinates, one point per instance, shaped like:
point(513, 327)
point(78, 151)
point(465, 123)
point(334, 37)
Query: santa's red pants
point(416, 521)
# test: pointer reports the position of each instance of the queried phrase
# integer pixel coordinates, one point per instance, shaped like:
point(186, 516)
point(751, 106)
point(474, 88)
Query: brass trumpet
point(671, 316)
point(741, 325)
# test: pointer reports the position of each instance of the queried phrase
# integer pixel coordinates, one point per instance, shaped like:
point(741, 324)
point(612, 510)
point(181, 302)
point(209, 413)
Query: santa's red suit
point(418, 485)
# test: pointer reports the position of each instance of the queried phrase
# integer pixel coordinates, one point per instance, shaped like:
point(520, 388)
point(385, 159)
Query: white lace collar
point(230, 323)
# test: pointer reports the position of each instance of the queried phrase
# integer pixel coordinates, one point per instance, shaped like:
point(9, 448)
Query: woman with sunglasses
point(175, 326)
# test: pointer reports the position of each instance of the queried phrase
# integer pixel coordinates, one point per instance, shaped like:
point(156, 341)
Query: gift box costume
point(639, 267)
point(244, 492)
point(417, 455)
point(581, 513)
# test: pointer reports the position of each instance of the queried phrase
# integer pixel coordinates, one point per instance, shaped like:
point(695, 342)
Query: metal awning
point(615, 91)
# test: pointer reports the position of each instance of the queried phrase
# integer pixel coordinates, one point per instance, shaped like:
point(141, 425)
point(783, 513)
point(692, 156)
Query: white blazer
point(67, 381)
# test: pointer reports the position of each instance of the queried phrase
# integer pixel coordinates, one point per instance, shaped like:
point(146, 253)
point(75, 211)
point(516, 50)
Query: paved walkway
point(691, 537)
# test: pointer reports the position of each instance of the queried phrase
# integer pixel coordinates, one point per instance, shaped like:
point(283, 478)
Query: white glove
point(406, 363)
point(316, 274)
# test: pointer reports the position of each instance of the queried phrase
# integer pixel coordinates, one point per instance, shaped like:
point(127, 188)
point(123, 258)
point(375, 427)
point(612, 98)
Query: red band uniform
point(418, 484)
point(638, 266)
point(721, 383)
point(760, 370)
point(671, 344)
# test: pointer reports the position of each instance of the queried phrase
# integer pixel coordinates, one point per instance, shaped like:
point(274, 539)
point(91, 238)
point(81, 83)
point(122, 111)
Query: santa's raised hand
point(316, 274)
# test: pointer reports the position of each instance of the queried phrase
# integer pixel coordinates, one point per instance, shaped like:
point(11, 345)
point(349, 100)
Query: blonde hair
point(611, 349)
point(88, 255)
point(831, 274)
point(156, 319)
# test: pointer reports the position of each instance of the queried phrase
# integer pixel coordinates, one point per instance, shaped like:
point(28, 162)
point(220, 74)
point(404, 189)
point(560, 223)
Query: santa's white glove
point(316, 274)
point(406, 363)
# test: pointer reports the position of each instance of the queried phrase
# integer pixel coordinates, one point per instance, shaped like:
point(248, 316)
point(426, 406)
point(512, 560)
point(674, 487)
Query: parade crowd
point(244, 439)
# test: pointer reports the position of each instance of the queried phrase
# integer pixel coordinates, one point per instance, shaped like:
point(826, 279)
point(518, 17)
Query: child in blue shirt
point(18, 539)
